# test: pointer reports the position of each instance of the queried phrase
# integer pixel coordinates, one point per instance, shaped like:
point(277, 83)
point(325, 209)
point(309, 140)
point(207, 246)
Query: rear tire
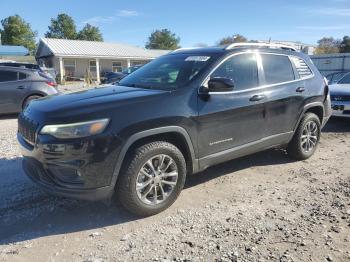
point(29, 99)
point(306, 138)
point(152, 178)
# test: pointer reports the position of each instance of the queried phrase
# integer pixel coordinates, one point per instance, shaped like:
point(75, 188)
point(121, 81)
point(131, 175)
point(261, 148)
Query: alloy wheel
point(309, 136)
point(156, 179)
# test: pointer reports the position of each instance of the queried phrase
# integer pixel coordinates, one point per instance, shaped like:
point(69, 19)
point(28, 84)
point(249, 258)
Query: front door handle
point(300, 89)
point(20, 87)
point(256, 98)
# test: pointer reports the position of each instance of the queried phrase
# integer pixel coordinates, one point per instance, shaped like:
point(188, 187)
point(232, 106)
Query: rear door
point(284, 91)
point(12, 90)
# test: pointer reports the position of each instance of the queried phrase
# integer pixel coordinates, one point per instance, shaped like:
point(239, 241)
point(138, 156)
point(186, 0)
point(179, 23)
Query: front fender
point(148, 133)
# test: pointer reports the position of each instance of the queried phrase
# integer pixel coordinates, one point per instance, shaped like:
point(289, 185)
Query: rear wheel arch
point(317, 108)
point(177, 136)
point(30, 95)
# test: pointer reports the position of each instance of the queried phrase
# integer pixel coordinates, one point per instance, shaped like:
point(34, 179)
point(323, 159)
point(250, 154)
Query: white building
point(75, 58)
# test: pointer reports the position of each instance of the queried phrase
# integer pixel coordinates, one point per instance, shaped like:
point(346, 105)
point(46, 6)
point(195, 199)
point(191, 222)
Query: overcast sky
point(132, 21)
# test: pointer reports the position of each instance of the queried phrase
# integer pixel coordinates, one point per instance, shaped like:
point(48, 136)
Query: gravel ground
point(258, 208)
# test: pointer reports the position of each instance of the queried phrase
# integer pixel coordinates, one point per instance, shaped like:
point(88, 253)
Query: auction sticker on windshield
point(198, 58)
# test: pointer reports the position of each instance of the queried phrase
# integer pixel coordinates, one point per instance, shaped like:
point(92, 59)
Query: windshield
point(167, 72)
point(131, 69)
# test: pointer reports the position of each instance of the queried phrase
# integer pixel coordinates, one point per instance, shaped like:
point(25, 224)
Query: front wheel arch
point(168, 134)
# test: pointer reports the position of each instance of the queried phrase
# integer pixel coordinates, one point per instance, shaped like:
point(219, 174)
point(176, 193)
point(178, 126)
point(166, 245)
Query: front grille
point(27, 128)
point(340, 97)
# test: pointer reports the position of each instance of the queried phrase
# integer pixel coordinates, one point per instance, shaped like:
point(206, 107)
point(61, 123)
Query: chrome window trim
point(259, 63)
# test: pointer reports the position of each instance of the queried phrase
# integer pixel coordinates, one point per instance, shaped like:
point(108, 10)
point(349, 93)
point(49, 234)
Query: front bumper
point(39, 176)
point(81, 169)
point(341, 108)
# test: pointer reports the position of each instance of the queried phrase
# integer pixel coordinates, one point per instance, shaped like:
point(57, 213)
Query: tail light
point(51, 83)
point(326, 89)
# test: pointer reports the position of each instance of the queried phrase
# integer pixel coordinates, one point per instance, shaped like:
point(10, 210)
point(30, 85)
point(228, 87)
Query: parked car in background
point(115, 77)
point(19, 86)
point(340, 96)
point(335, 77)
point(177, 115)
point(112, 77)
point(49, 72)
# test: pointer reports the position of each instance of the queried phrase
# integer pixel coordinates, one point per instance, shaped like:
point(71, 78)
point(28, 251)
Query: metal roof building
point(74, 58)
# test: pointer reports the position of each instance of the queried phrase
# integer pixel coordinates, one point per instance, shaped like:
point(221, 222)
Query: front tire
point(306, 138)
point(151, 178)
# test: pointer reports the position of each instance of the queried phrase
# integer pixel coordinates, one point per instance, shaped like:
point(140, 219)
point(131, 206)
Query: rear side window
point(242, 69)
point(302, 68)
point(6, 76)
point(277, 69)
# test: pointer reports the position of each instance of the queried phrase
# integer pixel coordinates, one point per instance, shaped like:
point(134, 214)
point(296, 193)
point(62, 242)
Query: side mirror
point(220, 84)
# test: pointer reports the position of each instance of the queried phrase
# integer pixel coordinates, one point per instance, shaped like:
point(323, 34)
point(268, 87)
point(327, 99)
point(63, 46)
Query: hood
point(339, 89)
point(94, 99)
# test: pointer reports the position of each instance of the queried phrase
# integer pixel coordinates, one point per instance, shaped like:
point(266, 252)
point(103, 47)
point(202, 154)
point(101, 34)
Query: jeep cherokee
point(178, 115)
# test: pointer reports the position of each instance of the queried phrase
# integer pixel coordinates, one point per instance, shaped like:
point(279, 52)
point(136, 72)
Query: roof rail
point(266, 45)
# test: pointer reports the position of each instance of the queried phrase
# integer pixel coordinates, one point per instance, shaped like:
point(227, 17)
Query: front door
point(232, 119)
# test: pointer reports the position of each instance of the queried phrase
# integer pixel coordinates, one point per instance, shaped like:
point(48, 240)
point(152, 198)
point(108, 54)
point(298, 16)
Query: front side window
point(168, 72)
point(242, 69)
point(7, 76)
point(345, 80)
point(277, 69)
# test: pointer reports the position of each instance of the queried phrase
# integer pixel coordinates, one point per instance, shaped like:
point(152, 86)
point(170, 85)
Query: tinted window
point(277, 68)
point(22, 76)
point(242, 69)
point(168, 72)
point(6, 76)
point(345, 80)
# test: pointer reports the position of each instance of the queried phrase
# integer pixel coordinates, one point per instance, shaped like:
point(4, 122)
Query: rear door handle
point(256, 98)
point(300, 89)
point(20, 87)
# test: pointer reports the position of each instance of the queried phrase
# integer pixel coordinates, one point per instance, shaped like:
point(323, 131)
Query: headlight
point(76, 130)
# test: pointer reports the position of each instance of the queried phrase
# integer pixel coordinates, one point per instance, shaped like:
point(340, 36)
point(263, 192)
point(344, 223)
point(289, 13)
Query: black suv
point(175, 116)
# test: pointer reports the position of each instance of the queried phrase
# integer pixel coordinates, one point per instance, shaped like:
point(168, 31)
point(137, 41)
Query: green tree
point(90, 33)
point(345, 45)
point(163, 39)
point(62, 27)
point(16, 31)
point(327, 45)
point(237, 38)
